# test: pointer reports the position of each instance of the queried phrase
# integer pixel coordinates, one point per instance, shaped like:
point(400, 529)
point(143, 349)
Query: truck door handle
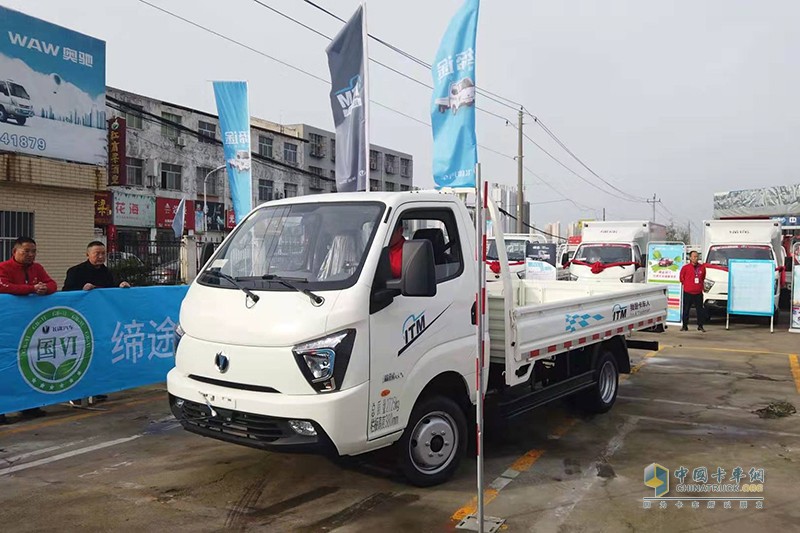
point(474, 318)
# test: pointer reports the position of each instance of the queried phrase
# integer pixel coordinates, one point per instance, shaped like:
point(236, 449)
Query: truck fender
point(446, 383)
point(616, 345)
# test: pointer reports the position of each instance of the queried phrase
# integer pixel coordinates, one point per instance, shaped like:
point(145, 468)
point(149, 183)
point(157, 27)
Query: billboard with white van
point(52, 90)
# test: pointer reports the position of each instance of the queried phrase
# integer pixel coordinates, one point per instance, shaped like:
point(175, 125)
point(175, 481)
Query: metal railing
point(143, 263)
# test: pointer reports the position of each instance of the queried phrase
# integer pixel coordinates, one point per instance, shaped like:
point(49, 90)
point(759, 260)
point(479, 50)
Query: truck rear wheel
point(434, 441)
point(602, 395)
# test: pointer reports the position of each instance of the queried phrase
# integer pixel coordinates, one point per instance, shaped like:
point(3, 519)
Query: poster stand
point(751, 289)
point(664, 262)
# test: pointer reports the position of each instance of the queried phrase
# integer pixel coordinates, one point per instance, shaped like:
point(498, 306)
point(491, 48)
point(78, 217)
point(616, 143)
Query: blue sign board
point(73, 345)
point(751, 287)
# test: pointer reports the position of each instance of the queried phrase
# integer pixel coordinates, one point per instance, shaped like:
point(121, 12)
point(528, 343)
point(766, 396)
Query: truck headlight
point(179, 333)
point(324, 361)
point(707, 284)
point(627, 279)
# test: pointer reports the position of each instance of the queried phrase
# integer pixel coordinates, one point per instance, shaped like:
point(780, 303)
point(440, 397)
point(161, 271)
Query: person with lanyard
point(693, 275)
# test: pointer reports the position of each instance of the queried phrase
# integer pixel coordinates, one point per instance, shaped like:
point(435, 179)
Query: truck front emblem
point(222, 362)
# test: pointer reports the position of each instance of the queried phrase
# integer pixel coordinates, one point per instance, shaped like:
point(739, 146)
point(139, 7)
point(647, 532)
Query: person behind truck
point(693, 274)
point(396, 250)
point(92, 273)
point(22, 275)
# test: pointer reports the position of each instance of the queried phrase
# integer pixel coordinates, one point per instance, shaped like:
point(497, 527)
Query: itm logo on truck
point(619, 312)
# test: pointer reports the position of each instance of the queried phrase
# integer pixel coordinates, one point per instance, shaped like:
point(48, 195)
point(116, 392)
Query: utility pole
point(520, 207)
point(604, 213)
point(654, 201)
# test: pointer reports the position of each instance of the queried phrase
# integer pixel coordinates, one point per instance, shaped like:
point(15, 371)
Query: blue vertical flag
point(234, 125)
point(180, 218)
point(455, 145)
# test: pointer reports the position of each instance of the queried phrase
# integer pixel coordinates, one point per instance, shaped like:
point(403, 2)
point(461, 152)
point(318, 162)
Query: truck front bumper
point(266, 420)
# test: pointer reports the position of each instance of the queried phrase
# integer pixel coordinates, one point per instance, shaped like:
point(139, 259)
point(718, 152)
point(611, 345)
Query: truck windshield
point(18, 91)
point(312, 246)
point(514, 248)
point(721, 254)
point(604, 253)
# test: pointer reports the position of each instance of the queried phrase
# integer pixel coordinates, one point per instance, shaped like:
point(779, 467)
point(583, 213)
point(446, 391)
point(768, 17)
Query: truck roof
point(389, 198)
point(741, 231)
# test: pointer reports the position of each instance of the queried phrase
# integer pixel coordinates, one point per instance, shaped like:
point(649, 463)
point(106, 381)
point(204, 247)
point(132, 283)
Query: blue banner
point(72, 345)
point(455, 145)
point(234, 126)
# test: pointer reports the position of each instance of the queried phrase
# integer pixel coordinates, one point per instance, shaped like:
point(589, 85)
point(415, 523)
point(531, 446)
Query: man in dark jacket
point(92, 273)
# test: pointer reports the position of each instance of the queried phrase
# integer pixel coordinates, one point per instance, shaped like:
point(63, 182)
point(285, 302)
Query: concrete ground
point(129, 467)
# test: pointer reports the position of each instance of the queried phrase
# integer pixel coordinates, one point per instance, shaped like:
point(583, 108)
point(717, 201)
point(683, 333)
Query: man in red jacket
point(693, 274)
point(22, 275)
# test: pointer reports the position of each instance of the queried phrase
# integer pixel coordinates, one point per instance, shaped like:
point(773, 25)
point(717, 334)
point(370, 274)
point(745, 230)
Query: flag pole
point(480, 213)
point(365, 39)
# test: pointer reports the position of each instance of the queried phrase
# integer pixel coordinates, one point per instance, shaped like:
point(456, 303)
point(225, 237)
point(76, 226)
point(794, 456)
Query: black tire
point(21, 121)
point(601, 396)
point(431, 417)
point(3, 114)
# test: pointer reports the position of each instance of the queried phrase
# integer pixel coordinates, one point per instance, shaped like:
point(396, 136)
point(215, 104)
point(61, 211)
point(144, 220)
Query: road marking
point(724, 429)
point(795, 365)
point(734, 350)
point(17, 458)
point(638, 366)
point(558, 511)
point(73, 418)
point(690, 404)
point(66, 455)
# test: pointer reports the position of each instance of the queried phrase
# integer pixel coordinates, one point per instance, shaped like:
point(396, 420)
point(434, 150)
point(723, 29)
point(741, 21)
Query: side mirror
point(206, 253)
point(419, 270)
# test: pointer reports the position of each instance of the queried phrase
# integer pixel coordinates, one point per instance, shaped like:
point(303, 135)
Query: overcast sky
point(679, 99)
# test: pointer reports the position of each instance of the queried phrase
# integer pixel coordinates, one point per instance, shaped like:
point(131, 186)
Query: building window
point(290, 153)
point(133, 116)
point(405, 188)
point(265, 146)
point(390, 163)
point(171, 176)
point(135, 171)
point(316, 170)
point(333, 149)
point(388, 186)
point(264, 190)
point(374, 159)
point(405, 167)
point(317, 144)
point(333, 175)
point(14, 224)
point(374, 186)
point(212, 184)
point(207, 132)
point(167, 130)
point(289, 190)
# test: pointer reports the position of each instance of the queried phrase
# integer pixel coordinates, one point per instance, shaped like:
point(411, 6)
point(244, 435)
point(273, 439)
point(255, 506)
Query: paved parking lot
point(692, 404)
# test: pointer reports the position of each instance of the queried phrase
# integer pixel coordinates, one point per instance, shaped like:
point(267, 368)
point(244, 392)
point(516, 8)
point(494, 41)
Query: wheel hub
point(433, 442)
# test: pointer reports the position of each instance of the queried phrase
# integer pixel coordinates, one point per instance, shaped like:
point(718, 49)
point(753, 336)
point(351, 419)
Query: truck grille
point(234, 423)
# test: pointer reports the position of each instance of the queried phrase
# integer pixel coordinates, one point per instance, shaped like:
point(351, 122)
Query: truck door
point(641, 270)
point(407, 332)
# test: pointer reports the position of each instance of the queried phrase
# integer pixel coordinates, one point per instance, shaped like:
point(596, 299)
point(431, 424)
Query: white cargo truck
point(724, 240)
point(296, 336)
point(516, 252)
point(615, 250)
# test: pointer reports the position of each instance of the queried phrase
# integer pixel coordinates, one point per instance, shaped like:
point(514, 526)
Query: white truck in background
point(516, 252)
point(724, 240)
point(295, 336)
point(614, 250)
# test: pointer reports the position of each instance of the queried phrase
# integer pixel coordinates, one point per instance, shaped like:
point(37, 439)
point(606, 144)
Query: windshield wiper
point(315, 299)
point(235, 283)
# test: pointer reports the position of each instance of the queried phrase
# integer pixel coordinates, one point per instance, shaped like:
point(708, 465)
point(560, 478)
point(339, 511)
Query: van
point(14, 102)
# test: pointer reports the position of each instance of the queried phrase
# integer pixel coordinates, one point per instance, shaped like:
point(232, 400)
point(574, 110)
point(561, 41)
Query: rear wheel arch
point(618, 348)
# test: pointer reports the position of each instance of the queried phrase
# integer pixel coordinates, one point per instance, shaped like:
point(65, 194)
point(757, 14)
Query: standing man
point(22, 275)
point(693, 274)
point(92, 273)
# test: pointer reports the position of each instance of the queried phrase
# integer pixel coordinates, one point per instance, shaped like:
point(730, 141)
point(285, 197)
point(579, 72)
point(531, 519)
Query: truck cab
point(15, 102)
point(614, 251)
point(298, 334)
point(517, 251)
point(739, 239)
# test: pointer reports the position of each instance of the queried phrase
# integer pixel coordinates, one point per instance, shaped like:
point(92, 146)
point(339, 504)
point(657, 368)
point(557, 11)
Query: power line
point(373, 60)
point(506, 213)
point(488, 94)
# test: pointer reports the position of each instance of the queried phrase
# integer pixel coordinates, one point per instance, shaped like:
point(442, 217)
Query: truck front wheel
point(602, 395)
point(434, 441)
